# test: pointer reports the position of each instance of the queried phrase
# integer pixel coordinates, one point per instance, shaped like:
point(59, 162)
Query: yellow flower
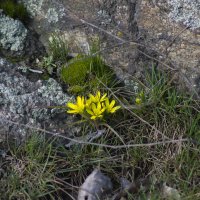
point(110, 106)
point(94, 107)
point(77, 108)
point(138, 100)
point(96, 111)
point(88, 103)
point(119, 34)
point(97, 98)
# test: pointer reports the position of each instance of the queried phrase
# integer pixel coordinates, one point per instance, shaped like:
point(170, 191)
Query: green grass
point(14, 10)
point(58, 48)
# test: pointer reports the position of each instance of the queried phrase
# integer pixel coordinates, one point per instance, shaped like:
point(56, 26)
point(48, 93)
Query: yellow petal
point(94, 108)
point(88, 102)
point(71, 105)
point(115, 109)
point(138, 100)
point(99, 106)
point(98, 94)
point(93, 117)
point(72, 111)
point(107, 102)
point(103, 98)
point(112, 103)
point(92, 98)
point(79, 100)
point(89, 112)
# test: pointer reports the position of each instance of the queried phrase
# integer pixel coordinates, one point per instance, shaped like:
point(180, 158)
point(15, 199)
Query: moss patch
point(84, 74)
point(76, 71)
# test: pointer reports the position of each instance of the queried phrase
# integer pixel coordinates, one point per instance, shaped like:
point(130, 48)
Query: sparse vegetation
point(151, 111)
point(58, 48)
point(14, 10)
point(164, 113)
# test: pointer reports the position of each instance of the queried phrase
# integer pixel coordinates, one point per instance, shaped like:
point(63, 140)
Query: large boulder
point(172, 28)
point(165, 32)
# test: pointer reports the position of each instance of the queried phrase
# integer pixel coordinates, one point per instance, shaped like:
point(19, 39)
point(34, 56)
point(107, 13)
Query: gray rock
point(33, 6)
point(27, 102)
point(12, 34)
point(186, 11)
point(95, 187)
point(167, 31)
point(52, 11)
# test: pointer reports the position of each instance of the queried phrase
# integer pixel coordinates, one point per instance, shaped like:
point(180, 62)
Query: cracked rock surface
point(27, 102)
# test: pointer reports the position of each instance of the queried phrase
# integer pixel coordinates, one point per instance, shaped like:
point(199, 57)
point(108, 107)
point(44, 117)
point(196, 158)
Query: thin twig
point(164, 142)
point(130, 42)
point(176, 36)
point(102, 30)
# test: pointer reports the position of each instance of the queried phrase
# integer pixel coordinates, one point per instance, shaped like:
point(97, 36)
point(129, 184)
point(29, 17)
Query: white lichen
point(12, 34)
point(53, 15)
point(186, 12)
point(33, 6)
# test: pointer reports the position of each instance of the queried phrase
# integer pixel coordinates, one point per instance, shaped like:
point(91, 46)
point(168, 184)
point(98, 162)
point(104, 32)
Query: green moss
point(83, 73)
point(14, 10)
point(77, 70)
point(76, 89)
point(87, 73)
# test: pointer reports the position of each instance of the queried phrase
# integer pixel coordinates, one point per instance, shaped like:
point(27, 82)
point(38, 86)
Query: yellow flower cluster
point(94, 107)
point(140, 98)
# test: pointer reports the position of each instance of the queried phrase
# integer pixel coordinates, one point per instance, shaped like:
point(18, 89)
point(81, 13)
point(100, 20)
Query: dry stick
point(102, 30)
point(176, 36)
point(126, 42)
point(138, 44)
point(97, 144)
point(115, 132)
point(148, 56)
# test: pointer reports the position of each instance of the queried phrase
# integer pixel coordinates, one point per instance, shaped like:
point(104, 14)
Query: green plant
point(48, 64)
point(14, 10)
point(33, 162)
point(58, 48)
point(87, 72)
point(165, 114)
point(82, 73)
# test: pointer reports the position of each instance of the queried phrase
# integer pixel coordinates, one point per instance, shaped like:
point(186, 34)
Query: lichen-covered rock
point(33, 6)
point(172, 29)
point(185, 11)
point(27, 102)
point(49, 11)
point(167, 30)
point(13, 34)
